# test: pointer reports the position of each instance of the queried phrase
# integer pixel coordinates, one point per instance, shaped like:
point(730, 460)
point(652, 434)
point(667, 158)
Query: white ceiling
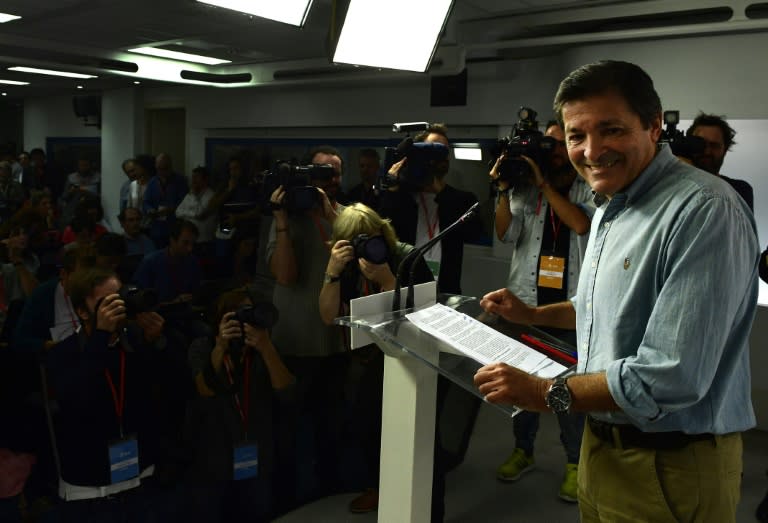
point(93, 35)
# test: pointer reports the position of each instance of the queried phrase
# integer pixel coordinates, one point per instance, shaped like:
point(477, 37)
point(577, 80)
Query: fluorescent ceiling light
point(13, 82)
point(292, 12)
point(5, 17)
point(394, 34)
point(467, 152)
point(176, 55)
point(50, 72)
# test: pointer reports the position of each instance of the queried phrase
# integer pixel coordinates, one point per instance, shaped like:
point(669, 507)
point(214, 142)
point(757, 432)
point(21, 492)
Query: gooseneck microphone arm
point(409, 262)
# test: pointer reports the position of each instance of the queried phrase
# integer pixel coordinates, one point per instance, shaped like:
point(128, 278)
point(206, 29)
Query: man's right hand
point(494, 174)
point(394, 172)
point(505, 304)
point(111, 313)
point(277, 199)
point(341, 254)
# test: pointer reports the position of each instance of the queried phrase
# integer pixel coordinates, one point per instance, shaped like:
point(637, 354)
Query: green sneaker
point(515, 466)
point(569, 486)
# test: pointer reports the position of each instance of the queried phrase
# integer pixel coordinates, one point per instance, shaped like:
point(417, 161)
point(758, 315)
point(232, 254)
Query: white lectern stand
point(408, 413)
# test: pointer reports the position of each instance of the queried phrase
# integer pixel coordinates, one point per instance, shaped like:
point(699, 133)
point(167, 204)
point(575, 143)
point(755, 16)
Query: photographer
point(547, 217)
point(239, 376)
point(718, 139)
point(297, 254)
point(418, 211)
point(363, 261)
point(102, 376)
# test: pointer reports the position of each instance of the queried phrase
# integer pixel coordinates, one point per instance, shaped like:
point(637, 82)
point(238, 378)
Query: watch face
point(559, 397)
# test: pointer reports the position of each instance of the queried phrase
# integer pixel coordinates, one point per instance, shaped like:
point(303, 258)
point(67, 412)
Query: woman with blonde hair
point(365, 254)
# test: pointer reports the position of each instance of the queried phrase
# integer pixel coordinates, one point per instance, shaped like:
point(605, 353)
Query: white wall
point(52, 118)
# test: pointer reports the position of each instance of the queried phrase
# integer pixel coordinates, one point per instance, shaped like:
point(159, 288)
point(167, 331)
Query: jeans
point(526, 425)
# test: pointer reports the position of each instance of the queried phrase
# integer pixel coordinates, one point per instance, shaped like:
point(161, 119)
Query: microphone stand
point(409, 262)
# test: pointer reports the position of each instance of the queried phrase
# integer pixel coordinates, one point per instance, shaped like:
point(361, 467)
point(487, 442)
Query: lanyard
point(431, 225)
point(242, 408)
point(118, 399)
point(555, 228)
point(68, 303)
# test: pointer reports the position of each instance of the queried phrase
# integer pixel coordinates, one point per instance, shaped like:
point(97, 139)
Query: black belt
point(628, 436)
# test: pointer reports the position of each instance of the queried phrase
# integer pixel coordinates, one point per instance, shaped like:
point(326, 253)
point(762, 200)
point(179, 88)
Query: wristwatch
point(330, 279)
point(558, 397)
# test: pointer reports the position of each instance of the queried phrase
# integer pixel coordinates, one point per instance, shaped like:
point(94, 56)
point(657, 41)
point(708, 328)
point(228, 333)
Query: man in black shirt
point(718, 140)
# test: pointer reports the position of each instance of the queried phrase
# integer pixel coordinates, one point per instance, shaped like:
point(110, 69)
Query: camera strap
point(242, 407)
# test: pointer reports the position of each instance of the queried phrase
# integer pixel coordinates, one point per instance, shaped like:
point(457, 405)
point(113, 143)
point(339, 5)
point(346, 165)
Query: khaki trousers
point(698, 483)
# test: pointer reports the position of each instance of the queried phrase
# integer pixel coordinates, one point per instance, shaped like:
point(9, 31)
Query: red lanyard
point(118, 399)
point(242, 408)
point(431, 225)
point(69, 307)
point(321, 230)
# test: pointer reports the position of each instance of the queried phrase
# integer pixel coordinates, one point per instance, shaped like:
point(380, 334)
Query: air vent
point(757, 11)
point(236, 78)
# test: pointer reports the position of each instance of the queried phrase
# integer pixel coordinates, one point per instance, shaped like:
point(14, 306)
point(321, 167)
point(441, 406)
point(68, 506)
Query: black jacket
point(402, 209)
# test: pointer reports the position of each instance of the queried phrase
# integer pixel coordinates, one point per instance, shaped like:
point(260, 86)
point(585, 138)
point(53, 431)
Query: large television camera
point(525, 139)
point(300, 193)
point(418, 171)
point(686, 146)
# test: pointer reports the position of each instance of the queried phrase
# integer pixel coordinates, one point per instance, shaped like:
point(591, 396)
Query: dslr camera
point(137, 300)
point(300, 194)
point(681, 145)
point(525, 139)
point(261, 314)
point(417, 172)
point(372, 248)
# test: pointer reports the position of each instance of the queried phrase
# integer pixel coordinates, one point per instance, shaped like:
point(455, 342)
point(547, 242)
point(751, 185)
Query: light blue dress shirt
point(666, 300)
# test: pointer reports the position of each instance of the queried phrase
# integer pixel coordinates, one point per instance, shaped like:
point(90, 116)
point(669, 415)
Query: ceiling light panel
point(377, 34)
point(13, 82)
point(293, 12)
point(50, 72)
point(5, 17)
point(176, 55)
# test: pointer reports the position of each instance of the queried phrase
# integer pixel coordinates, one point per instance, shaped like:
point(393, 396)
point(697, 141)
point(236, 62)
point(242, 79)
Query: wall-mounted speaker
point(88, 107)
point(448, 90)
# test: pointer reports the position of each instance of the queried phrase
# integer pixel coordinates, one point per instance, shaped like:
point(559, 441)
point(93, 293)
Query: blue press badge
point(246, 461)
point(123, 460)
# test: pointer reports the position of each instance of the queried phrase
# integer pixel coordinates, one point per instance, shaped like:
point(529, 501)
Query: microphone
point(409, 262)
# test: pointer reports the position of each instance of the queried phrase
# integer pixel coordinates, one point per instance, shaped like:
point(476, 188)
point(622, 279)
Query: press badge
point(551, 271)
point(246, 461)
point(123, 460)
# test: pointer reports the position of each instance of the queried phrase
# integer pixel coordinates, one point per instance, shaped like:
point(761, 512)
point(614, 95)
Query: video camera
point(417, 171)
point(525, 139)
point(681, 145)
point(300, 194)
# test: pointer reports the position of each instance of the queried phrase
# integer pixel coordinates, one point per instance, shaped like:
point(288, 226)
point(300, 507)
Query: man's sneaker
point(569, 487)
point(368, 501)
point(515, 466)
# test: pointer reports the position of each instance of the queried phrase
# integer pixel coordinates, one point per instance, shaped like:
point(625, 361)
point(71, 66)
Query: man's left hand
point(506, 385)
